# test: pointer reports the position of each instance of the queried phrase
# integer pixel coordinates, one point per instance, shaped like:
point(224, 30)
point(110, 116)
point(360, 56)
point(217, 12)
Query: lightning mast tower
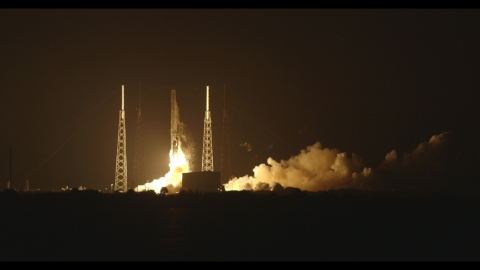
point(121, 170)
point(138, 163)
point(207, 155)
point(226, 164)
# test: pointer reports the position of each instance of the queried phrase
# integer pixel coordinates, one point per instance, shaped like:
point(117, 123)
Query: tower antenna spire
point(121, 163)
point(207, 154)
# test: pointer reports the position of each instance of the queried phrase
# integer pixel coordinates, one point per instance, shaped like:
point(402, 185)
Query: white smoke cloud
point(312, 170)
point(433, 165)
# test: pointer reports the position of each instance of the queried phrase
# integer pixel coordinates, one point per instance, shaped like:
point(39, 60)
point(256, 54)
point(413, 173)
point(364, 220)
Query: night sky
point(361, 81)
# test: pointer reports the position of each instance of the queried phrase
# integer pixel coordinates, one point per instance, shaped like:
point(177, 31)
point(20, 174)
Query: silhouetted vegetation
point(164, 191)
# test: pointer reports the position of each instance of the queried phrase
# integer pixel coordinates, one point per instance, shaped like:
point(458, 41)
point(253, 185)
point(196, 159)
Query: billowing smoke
point(437, 165)
point(433, 165)
point(314, 169)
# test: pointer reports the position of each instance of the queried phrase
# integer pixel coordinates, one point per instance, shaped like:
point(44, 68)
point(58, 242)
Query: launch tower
point(121, 170)
point(207, 154)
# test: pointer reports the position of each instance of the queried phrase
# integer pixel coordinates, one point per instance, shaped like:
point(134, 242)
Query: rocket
point(174, 124)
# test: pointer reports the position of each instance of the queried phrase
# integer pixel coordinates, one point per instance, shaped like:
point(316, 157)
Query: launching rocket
point(174, 124)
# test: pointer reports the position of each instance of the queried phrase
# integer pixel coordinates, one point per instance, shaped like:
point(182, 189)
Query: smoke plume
point(313, 169)
point(441, 164)
point(432, 166)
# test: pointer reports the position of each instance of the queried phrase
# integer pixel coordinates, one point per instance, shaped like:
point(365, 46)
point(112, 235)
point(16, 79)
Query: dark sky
point(362, 81)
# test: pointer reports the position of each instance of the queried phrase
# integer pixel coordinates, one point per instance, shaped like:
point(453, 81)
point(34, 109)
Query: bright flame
point(172, 179)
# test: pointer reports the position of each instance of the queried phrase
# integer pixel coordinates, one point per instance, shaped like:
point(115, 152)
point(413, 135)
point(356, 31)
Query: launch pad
point(207, 181)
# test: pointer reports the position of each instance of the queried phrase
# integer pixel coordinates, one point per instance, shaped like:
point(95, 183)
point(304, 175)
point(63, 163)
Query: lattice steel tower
point(121, 170)
point(207, 155)
point(138, 163)
point(226, 163)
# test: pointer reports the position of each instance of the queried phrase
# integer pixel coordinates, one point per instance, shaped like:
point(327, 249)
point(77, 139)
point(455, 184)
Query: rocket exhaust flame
point(172, 179)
